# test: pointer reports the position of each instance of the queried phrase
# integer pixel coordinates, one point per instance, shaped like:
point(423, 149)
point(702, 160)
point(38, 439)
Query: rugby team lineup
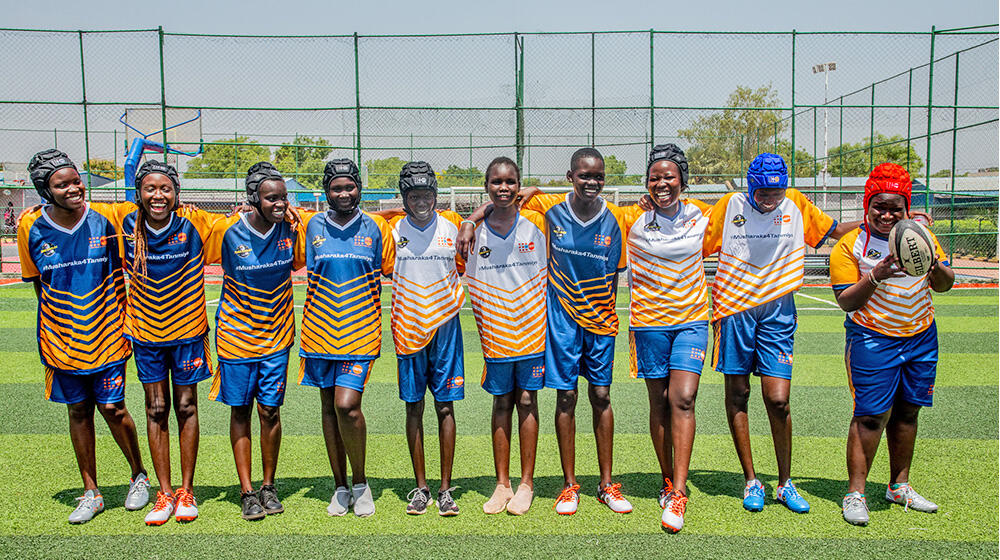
point(125, 280)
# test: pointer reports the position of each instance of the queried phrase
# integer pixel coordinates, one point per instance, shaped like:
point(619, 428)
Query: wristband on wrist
point(871, 278)
point(468, 221)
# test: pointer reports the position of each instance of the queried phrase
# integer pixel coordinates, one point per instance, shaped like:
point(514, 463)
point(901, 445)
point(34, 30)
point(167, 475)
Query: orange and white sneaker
point(163, 508)
point(187, 507)
point(668, 487)
point(568, 500)
point(673, 515)
point(611, 496)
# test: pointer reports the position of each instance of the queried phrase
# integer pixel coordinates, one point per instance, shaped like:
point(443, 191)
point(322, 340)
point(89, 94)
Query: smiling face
point(768, 199)
point(664, 184)
point(884, 210)
point(157, 196)
point(502, 185)
point(420, 204)
point(587, 178)
point(67, 189)
point(273, 200)
point(342, 194)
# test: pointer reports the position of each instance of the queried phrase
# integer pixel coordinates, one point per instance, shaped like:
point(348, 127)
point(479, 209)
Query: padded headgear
point(888, 178)
point(42, 166)
point(152, 166)
point(766, 171)
point(341, 167)
point(257, 174)
point(669, 152)
point(416, 175)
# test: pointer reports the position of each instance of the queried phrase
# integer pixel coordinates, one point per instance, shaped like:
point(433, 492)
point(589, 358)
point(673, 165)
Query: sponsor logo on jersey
point(444, 241)
point(129, 238)
point(652, 226)
point(362, 241)
point(697, 354)
point(285, 244)
point(178, 238)
point(691, 223)
point(242, 251)
point(602, 240)
point(98, 242)
point(318, 241)
point(783, 219)
point(48, 249)
point(785, 358)
point(402, 242)
point(739, 220)
point(558, 232)
point(455, 382)
point(485, 251)
point(526, 247)
point(873, 254)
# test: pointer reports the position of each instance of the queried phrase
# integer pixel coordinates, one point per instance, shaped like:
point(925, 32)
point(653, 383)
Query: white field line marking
point(826, 301)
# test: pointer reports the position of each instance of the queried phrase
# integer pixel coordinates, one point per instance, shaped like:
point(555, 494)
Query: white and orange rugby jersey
point(506, 275)
point(899, 306)
point(761, 255)
point(426, 290)
point(666, 272)
point(584, 259)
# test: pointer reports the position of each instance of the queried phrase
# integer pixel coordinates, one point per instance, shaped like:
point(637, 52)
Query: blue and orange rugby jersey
point(82, 302)
point(255, 315)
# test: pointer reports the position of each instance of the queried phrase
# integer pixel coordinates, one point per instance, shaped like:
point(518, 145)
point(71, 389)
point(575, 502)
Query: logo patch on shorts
point(537, 371)
point(785, 358)
point(113, 383)
point(930, 390)
point(698, 354)
point(455, 382)
point(739, 220)
point(357, 369)
point(193, 364)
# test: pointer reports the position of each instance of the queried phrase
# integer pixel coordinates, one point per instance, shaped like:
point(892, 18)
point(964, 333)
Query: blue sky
point(452, 16)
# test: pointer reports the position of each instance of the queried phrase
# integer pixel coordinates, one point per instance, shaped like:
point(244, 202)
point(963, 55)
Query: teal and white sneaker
point(138, 492)
point(904, 495)
point(91, 503)
point(855, 508)
point(789, 495)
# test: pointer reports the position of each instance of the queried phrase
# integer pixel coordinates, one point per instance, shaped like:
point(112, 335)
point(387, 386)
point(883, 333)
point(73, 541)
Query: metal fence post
point(519, 97)
point(86, 129)
point(593, 93)
point(909, 111)
point(652, 104)
point(793, 110)
point(954, 150)
point(163, 93)
point(871, 132)
point(930, 103)
point(357, 103)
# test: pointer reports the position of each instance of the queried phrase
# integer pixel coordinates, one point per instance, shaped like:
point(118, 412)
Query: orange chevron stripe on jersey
point(170, 309)
point(257, 322)
point(342, 319)
point(653, 276)
point(589, 302)
point(898, 307)
point(418, 310)
point(738, 288)
point(511, 322)
point(82, 332)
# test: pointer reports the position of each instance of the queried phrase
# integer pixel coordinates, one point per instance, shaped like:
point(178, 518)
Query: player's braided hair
point(140, 241)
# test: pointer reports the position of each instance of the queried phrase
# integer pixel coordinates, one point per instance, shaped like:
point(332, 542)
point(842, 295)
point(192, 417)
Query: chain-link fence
point(833, 104)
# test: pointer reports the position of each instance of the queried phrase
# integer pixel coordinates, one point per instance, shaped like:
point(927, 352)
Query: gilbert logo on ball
point(913, 247)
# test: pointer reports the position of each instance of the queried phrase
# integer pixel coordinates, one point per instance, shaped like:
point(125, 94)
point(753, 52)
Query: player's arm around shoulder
point(29, 272)
point(202, 220)
point(387, 244)
point(817, 224)
point(216, 237)
point(712, 240)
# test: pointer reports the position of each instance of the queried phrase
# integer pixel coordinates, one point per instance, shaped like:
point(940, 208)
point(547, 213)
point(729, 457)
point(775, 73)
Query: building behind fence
point(927, 100)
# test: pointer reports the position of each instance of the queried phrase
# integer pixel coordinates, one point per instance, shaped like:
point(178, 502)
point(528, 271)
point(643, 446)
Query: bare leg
point(331, 435)
point(186, 410)
point(862, 445)
point(604, 429)
point(776, 391)
point(503, 411)
point(737, 394)
point(353, 430)
point(270, 440)
point(239, 437)
point(683, 391)
point(122, 429)
point(659, 425)
point(446, 438)
point(527, 431)
point(81, 433)
point(901, 434)
point(566, 433)
point(158, 430)
point(415, 440)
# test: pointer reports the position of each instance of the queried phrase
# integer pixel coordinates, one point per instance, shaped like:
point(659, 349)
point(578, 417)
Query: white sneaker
point(904, 495)
point(340, 501)
point(138, 492)
point(611, 496)
point(364, 504)
point(673, 515)
point(568, 500)
point(187, 507)
point(91, 503)
point(162, 509)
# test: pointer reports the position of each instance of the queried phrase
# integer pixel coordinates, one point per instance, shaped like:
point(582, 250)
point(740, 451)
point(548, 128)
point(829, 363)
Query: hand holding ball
point(913, 247)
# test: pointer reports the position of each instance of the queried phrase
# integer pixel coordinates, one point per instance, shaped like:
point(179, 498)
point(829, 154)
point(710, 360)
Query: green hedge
point(983, 244)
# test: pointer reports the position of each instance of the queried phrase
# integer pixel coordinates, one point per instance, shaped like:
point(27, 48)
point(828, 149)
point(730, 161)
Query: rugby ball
point(913, 247)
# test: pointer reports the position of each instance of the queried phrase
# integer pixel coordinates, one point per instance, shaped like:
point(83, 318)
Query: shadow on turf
point(724, 483)
point(711, 482)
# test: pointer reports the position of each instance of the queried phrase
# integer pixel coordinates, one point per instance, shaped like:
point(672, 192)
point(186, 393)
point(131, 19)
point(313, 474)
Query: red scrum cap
point(888, 178)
